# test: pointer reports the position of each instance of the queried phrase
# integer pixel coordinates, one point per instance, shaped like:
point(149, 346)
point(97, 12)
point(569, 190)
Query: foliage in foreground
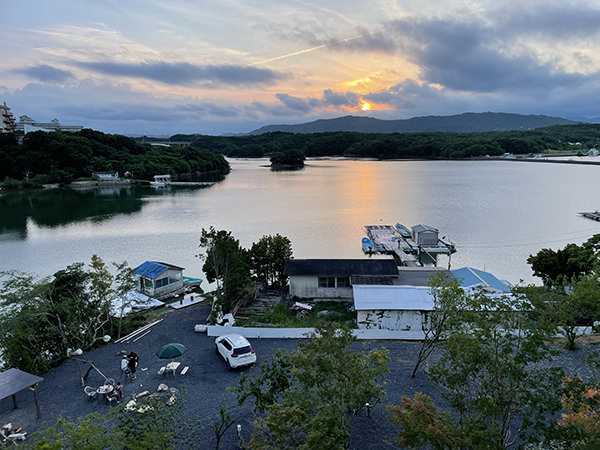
point(495, 379)
point(42, 320)
point(161, 426)
point(305, 398)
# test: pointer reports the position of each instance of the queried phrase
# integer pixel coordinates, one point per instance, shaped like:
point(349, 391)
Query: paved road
point(61, 393)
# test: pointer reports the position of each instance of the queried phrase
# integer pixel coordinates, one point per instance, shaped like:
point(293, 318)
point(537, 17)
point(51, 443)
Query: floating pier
point(594, 215)
point(408, 248)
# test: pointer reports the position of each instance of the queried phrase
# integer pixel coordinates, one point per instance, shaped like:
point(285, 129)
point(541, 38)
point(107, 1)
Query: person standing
point(132, 364)
point(125, 366)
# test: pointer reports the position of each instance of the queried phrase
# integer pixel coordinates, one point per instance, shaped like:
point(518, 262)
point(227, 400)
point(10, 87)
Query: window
point(162, 282)
point(326, 282)
point(226, 344)
point(343, 282)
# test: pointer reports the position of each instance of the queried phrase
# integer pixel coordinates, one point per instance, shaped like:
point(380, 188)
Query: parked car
point(235, 350)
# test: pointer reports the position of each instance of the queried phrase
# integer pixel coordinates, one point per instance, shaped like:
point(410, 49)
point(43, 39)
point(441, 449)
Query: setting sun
point(366, 106)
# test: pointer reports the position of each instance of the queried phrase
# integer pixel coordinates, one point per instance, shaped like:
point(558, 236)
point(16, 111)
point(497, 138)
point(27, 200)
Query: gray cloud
point(467, 57)
point(340, 98)
point(187, 74)
point(46, 74)
point(366, 41)
point(553, 19)
point(297, 103)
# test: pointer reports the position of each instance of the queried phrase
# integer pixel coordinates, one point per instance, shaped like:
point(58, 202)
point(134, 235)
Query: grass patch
point(282, 317)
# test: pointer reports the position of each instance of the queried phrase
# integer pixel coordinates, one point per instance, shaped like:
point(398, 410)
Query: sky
point(230, 66)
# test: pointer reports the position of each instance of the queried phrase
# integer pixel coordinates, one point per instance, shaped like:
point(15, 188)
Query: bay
point(496, 212)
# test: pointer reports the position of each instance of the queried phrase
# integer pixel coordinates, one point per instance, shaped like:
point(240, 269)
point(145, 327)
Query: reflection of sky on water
point(496, 212)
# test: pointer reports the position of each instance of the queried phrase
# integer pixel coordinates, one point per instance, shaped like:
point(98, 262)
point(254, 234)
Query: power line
point(527, 243)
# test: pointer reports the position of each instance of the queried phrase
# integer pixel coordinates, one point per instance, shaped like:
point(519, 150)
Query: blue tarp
point(150, 269)
point(468, 277)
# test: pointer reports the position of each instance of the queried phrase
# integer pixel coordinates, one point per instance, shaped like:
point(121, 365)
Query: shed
point(392, 307)
point(158, 278)
point(13, 381)
point(332, 278)
point(425, 235)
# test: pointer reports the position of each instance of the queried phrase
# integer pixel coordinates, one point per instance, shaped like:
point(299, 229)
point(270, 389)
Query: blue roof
point(150, 269)
point(469, 277)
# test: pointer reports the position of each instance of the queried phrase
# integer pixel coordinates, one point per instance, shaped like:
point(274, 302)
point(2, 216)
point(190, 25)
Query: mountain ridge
point(468, 122)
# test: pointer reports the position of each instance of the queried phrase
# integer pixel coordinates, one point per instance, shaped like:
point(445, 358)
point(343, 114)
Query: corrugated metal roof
point(392, 298)
point(469, 277)
point(150, 269)
point(419, 228)
point(341, 267)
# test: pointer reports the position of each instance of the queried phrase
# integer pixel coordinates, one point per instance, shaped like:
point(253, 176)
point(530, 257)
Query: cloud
point(186, 74)
point(467, 56)
point(338, 99)
point(297, 103)
point(553, 19)
point(46, 74)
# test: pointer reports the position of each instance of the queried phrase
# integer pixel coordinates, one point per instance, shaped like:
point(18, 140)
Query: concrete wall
point(299, 333)
point(307, 286)
point(390, 320)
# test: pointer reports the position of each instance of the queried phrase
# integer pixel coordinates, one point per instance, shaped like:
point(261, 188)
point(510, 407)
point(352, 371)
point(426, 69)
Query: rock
point(200, 328)
point(323, 313)
point(162, 387)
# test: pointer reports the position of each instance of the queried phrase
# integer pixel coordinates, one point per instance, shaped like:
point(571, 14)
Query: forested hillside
point(404, 145)
point(458, 123)
point(64, 157)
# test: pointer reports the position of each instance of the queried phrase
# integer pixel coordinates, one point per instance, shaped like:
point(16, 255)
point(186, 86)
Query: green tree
point(493, 378)
point(308, 395)
point(423, 424)
point(267, 259)
point(43, 319)
point(448, 300)
point(125, 282)
point(566, 265)
point(225, 262)
point(567, 308)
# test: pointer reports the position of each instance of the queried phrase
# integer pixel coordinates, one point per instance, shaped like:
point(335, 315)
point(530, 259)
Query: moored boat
point(404, 231)
point(367, 245)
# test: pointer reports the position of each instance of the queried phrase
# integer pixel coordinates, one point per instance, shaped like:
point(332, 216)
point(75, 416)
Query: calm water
point(497, 213)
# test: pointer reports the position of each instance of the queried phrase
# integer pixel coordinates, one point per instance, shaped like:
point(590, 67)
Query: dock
point(389, 240)
point(594, 215)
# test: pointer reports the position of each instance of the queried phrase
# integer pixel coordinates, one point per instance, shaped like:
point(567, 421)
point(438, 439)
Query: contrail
point(300, 52)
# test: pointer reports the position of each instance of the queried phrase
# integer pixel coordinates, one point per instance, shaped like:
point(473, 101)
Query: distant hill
point(460, 123)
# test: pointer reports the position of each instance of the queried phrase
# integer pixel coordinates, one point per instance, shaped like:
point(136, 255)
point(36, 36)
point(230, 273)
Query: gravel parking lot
point(61, 393)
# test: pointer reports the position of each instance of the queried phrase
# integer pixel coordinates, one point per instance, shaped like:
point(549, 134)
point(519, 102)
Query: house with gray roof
point(331, 279)
point(407, 304)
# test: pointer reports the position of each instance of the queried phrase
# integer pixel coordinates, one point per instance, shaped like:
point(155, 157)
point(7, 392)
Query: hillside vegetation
point(404, 145)
point(64, 157)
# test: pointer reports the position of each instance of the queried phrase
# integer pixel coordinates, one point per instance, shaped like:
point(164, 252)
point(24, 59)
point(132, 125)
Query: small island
point(287, 160)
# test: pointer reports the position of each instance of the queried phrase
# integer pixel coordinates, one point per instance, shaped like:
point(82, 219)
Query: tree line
point(62, 157)
point(403, 145)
